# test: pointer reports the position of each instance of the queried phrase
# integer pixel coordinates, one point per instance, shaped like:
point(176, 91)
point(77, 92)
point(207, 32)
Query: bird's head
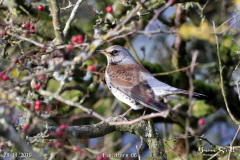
point(117, 55)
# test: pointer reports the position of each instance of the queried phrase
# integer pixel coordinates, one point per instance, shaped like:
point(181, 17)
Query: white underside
point(123, 97)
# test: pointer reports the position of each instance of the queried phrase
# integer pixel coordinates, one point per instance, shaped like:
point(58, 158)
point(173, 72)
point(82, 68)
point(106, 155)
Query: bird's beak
point(102, 51)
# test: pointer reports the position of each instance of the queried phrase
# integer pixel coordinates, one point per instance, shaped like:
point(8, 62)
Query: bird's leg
point(124, 114)
point(144, 112)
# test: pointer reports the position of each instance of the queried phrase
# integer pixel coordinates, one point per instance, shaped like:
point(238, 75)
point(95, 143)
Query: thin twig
point(205, 5)
point(157, 13)
point(231, 145)
point(71, 18)
point(28, 40)
point(189, 112)
point(215, 155)
point(138, 149)
point(177, 70)
point(156, 32)
point(71, 103)
point(173, 150)
point(162, 114)
point(221, 79)
point(127, 18)
point(120, 36)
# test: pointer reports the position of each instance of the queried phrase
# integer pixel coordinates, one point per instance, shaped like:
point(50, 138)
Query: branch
point(141, 128)
point(174, 71)
point(91, 131)
point(71, 18)
point(154, 115)
point(157, 13)
point(57, 22)
point(71, 103)
point(221, 79)
point(28, 40)
point(10, 133)
point(127, 18)
point(231, 145)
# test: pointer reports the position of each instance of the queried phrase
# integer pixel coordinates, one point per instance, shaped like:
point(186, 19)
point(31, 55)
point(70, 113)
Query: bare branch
point(231, 145)
point(91, 131)
point(71, 18)
point(157, 13)
point(162, 114)
point(71, 103)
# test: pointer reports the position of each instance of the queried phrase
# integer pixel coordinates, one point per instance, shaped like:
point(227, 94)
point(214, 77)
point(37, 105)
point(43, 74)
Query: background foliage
point(54, 103)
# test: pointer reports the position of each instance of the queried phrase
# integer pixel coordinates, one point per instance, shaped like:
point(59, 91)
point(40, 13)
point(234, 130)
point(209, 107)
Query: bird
point(133, 84)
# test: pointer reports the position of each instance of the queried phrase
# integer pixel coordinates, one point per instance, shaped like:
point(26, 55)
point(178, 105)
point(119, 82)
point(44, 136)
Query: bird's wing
point(162, 89)
point(127, 79)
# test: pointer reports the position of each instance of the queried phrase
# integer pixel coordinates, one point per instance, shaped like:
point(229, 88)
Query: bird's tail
point(181, 91)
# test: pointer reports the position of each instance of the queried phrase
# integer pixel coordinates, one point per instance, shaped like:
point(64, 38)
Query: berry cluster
point(77, 39)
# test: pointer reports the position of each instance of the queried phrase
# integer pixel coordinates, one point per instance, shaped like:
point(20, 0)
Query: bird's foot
point(144, 112)
point(124, 114)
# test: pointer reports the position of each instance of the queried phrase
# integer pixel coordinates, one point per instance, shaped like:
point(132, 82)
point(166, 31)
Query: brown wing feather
point(127, 79)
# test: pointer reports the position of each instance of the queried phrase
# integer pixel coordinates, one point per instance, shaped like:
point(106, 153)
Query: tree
point(54, 100)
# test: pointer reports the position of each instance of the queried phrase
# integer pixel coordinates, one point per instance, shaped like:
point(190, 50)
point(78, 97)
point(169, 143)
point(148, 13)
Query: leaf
point(14, 73)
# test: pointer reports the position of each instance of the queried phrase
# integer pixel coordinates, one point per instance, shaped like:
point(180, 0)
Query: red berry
point(109, 9)
point(201, 121)
point(38, 102)
point(4, 77)
point(58, 145)
point(74, 38)
point(26, 33)
point(100, 157)
point(80, 37)
point(69, 48)
point(58, 103)
point(32, 26)
point(36, 107)
point(27, 25)
point(32, 31)
point(92, 68)
point(81, 152)
point(75, 148)
point(15, 60)
point(41, 77)
point(27, 105)
point(59, 133)
point(37, 86)
point(40, 8)
point(25, 127)
point(43, 50)
point(79, 42)
point(148, 100)
point(63, 127)
point(170, 1)
point(4, 32)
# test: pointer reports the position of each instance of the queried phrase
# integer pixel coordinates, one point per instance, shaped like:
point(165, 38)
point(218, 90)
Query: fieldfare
point(132, 84)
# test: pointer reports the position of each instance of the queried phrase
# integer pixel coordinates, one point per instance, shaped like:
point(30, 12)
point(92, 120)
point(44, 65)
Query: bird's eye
point(115, 52)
